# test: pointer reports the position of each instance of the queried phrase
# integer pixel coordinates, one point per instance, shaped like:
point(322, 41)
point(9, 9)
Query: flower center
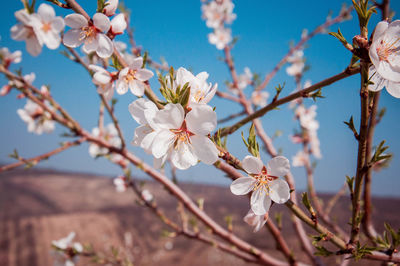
point(385, 49)
point(199, 95)
point(263, 180)
point(88, 33)
point(130, 76)
point(46, 27)
point(182, 135)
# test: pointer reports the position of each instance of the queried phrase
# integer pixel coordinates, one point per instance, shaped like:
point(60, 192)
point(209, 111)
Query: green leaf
point(350, 124)
point(322, 251)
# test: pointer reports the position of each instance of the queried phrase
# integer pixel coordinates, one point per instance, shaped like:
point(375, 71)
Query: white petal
point(72, 38)
point(118, 24)
point(242, 185)
point(57, 24)
point(143, 74)
point(23, 16)
point(52, 40)
point(201, 120)
point(171, 117)
point(182, 157)
point(378, 81)
point(136, 63)
point(279, 191)
point(90, 45)
point(260, 202)
point(380, 28)
point(111, 7)
point(33, 46)
point(46, 12)
point(278, 166)
point(252, 165)
point(101, 77)
point(75, 21)
point(101, 21)
point(204, 149)
point(394, 89)
point(136, 87)
point(122, 87)
point(162, 142)
point(105, 48)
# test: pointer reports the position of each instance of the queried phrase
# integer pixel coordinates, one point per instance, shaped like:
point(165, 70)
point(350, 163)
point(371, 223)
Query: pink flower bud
point(110, 8)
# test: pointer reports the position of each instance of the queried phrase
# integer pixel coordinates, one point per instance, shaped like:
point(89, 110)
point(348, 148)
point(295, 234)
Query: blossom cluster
point(217, 14)
point(178, 133)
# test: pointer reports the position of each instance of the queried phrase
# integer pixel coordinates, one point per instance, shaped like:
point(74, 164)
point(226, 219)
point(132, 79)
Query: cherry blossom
point(259, 98)
point(91, 34)
point(37, 119)
point(384, 53)
point(264, 182)
point(257, 221)
point(110, 7)
point(25, 32)
point(109, 134)
point(133, 78)
point(47, 26)
point(119, 183)
point(183, 137)
point(8, 58)
point(297, 62)
point(103, 80)
point(200, 90)
point(221, 37)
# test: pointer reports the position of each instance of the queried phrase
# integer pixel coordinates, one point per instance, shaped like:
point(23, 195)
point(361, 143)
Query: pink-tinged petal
point(76, 21)
point(110, 8)
point(201, 120)
point(33, 46)
point(101, 21)
point(57, 24)
point(242, 185)
point(122, 87)
point(393, 29)
point(279, 191)
point(260, 202)
point(394, 89)
point(252, 165)
point(136, 63)
point(46, 12)
point(118, 24)
point(72, 38)
point(171, 117)
point(373, 54)
point(23, 16)
point(101, 77)
point(108, 93)
point(90, 45)
point(162, 142)
point(143, 74)
point(105, 46)
point(204, 149)
point(182, 157)
point(278, 166)
point(136, 87)
point(380, 28)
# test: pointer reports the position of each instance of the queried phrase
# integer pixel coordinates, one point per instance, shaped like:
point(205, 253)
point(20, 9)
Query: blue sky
point(175, 30)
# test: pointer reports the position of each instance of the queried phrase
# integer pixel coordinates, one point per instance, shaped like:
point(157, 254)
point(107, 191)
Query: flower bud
point(111, 6)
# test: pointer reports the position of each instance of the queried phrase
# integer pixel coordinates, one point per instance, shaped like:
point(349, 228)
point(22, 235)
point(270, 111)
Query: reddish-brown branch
point(45, 156)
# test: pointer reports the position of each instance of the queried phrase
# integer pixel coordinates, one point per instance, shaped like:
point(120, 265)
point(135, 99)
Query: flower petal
point(46, 12)
point(57, 24)
point(101, 21)
point(162, 142)
point(242, 185)
point(72, 38)
point(260, 202)
point(136, 63)
point(137, 88)
point(105, 48)
point(118, 24)
point(393, 88)
point(279, 191)
point(204, 149)
point(171, 117)
point(252, 165)
point(75, 21)
point(278, 166)
point(143, 74)
point(183, 156)
point(201, 120)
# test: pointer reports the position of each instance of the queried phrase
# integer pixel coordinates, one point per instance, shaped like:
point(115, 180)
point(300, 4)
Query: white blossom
point(8, 58)
point(119, 183)
point(264, 182)
point(109, 134)
point(110, 7)
point(257, 221)
point(103, 80)
point(133, 78)
point(221, 37)
point(63, 255)
point(259, 98)
point(216, 14)
point(147, 196)
point(37, 119)
point(244, 79)
point(393, 88)
point(299, 159)
point(91, 34)
point(47, 26)
point(297, 63)
point(118, 24)
point(25, 32)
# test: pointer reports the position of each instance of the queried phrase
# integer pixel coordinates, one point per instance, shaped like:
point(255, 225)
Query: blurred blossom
point(147, 196)
point(259, 98)
point(37, 119)
point(221, 37)
point(297, 63)
point(299, 159)
point(24, 32)
point(257, 221)
point(110, 135)
point(120, 184)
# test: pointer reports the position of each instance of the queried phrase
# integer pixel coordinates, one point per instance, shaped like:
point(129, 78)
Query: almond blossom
point(103, 80)
point(263, 182)
point(384, 50)
point(133, 78)
point(38, 120)
point(257, 221)
point(25, 32)
point(47, 26)
point(91, 34)
point(221, 37)
point(109, 134)
point(200, 90)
